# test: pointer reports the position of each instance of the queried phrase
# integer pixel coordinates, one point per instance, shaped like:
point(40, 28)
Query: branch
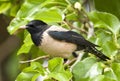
point(41, 57)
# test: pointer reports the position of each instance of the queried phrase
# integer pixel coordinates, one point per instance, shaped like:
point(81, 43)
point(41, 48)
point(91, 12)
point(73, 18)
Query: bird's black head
point(36, 26)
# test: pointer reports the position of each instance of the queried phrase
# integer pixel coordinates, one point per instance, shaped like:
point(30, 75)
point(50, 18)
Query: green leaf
point(106, 42)
point(29, 47)
point(23, 76)
point(95, 70)
point(105, 20)
point(31, 73)
point(108, 6)
point(28, 40)
point(110, 74)
point(61, 76)
point(71, 16)
point(101, 78)
point(34, 10)
point(116, 70)
point(52, 3)
point(15, 24)
point(34, 78)
point(29, 8)
point(57, 70)
point(56, 65)
point(50, 15)
point(36, 52)
point(4, 6)
point(35, 67)
point(108, 27)
point(81, 69)
point(26, 46)
point(14, 9)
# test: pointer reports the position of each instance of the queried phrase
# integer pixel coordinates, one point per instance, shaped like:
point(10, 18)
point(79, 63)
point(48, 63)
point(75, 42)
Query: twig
point(90, 27)
point(41, 57)
point(72, 27)
point(70, 62)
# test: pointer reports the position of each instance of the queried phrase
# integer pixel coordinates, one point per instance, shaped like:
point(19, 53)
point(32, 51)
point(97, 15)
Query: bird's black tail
point(97, 53)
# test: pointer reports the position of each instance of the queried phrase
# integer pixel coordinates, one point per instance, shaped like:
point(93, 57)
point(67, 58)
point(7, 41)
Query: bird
point(60, 42)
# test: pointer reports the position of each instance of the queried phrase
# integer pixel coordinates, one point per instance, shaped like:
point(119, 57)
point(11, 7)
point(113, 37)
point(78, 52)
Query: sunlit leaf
point(4, 6)
point(116, 70)
point(57, 70)
point(26, 46)
point(56, 65)
point(105, 20)
point(33, 10)
point(101, 78)
point(105, 41)
point(25, 76)
point(31, 73)
point(81, 69)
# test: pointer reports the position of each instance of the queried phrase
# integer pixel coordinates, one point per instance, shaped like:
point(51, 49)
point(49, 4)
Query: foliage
point(55, 71)
point(10, 7)
point(72, 15)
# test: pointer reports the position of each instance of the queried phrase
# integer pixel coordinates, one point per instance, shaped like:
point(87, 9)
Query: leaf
point(4, 6)
point(105, 20)
point(14, 9)
point(56, 65)
point(29, 47)
point(108, 27)
point(116, 69)
point(26, 46)
point(57, 70)
point(36, 76)
point(110, 74)
point(35, 67)
point(61, 76)
point(31, 73)
point(34, 10)
point(108, 6)
point(52, 3)
point(101, 78)
point(15, 24)
point(105, 41)
point(81, 70)
point(95, 70)
point(50, 15)
point(25, 76)
point(28, 8)
point(71, 16)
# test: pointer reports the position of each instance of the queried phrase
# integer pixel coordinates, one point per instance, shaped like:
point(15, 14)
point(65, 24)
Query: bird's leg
point(74, 54)
point(70, 62)
point(65, 60)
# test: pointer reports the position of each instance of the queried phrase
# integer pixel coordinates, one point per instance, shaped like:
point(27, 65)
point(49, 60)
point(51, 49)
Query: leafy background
point(75, 15)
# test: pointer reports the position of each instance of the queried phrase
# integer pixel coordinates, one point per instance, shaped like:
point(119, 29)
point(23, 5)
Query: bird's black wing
point(70, 36)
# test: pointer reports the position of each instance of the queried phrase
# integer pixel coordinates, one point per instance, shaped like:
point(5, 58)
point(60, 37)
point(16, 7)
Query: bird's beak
point(23, 27)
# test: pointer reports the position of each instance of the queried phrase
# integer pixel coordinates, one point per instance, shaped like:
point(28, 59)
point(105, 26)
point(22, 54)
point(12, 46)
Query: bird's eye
point(30, 25)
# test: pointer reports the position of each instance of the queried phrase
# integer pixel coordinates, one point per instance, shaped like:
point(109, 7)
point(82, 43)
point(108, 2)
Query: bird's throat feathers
point(37, 36)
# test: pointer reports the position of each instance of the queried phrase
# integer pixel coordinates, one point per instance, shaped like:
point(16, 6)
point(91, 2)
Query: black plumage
point(36, 28)
point(40, 32)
